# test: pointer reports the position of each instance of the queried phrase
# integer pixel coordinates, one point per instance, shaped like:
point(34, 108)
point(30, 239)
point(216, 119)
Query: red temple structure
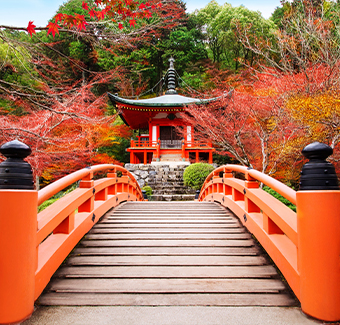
point(161, 115)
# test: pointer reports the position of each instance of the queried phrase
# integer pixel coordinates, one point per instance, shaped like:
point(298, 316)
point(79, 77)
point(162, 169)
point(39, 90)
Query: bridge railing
point(33, 245)
point(305, 246)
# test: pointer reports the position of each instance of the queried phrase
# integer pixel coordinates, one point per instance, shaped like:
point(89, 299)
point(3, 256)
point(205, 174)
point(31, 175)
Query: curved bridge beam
point(305, 246)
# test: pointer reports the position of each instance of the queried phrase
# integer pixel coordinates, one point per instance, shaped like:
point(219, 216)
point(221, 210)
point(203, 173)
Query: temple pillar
point(210, 157)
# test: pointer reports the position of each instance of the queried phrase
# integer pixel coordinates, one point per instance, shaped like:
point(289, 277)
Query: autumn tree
point(60, 89)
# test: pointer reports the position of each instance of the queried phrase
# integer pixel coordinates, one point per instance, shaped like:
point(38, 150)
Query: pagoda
point(162, 116)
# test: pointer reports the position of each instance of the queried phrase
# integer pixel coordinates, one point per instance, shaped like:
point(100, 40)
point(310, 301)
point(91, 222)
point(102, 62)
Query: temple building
point(162, 116)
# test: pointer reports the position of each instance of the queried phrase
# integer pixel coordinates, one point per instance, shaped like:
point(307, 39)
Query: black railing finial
point(318, 174)
point(15, 173)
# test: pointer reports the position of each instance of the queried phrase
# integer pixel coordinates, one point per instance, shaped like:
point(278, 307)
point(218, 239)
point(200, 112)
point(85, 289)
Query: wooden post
point(318, 217)
point(18, 237)
point(145, 158)
point(183, 150)
point(197, 156)
point(18, 254)
point(210, 157)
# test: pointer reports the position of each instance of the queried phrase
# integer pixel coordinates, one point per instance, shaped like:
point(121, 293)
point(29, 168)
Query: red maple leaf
point(132, 22)
point(100, 15)
point(81, 22)
point(142, 6)
point(58, 17)
point(85, 6)
point(92, 13)
point(120, 26)
point(53, 28)
point(30, 28)
point(147, 14)
point(69, 21)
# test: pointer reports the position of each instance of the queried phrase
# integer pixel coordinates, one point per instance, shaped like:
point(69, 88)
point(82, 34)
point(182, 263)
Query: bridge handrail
point(305, 245)
point(36, 244)
point(57, 186)
point(274, 184)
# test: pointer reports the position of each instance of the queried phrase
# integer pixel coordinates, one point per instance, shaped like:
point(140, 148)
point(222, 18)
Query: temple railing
point(142, 144)
point(33, 245)
point(305, 246)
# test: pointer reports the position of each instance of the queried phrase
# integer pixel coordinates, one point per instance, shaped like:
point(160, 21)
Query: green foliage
point(223, 159)
point(195, 175)
point(118, 150)
point(222, 23)
point(56, 197)
point(148, 190)
point(280, 198)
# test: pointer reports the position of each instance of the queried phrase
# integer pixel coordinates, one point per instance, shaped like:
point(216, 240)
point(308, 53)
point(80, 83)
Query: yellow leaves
point(314, 109)
point(266, 92)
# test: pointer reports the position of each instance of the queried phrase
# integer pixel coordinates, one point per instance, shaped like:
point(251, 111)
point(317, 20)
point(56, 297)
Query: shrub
point(148, 190)
point(195, 175)
point(280, 198)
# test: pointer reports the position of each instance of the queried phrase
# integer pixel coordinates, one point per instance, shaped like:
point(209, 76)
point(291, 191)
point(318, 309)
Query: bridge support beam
point(318, 217)
point(18, 254)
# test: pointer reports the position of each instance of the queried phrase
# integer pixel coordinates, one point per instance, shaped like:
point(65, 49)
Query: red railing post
point(18, 225)
point(318, 224)
point(183, 150)
point(158, 149)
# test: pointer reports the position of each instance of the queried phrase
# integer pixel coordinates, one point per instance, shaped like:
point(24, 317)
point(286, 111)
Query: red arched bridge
point(305, 246)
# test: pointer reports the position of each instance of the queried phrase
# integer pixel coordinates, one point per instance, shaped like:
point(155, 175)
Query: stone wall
point(166, 180)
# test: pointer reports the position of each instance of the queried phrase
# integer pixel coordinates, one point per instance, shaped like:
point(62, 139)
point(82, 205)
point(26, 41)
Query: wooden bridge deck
point(167, 254)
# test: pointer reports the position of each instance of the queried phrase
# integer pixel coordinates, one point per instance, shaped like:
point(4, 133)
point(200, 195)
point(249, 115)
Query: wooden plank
point(167, 221)
point(166, 251)
point(109, 224)
point(166, 217)
point(102, 299)
point(178, 260)
point(167, 285)
point(169, 243)
point(167, 271)
point(165, 236)
point(96, 230)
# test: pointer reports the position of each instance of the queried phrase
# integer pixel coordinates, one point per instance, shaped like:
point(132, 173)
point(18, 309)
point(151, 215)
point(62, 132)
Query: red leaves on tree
point(53, 28)
point(92, 13)
point(100, 14)
point(59, 17)
point(114, 10)
point(80, 22)
point(69, 21)
point(30, 28)
point(85, 6)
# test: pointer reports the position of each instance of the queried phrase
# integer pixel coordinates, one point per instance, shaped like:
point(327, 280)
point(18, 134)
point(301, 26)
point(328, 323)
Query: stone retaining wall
point(166, 180)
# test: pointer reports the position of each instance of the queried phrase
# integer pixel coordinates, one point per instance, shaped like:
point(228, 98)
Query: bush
point(56, 197)
point(280, 198)
point(148, 190)
point(195, 175)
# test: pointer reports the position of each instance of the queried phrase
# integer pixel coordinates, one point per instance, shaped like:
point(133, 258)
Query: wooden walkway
point(167, 254)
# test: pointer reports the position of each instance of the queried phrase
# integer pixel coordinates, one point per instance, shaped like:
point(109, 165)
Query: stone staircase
point(170, 157)
point(165, 180)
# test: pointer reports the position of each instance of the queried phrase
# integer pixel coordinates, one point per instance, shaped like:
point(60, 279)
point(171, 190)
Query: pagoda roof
point(165, 101)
